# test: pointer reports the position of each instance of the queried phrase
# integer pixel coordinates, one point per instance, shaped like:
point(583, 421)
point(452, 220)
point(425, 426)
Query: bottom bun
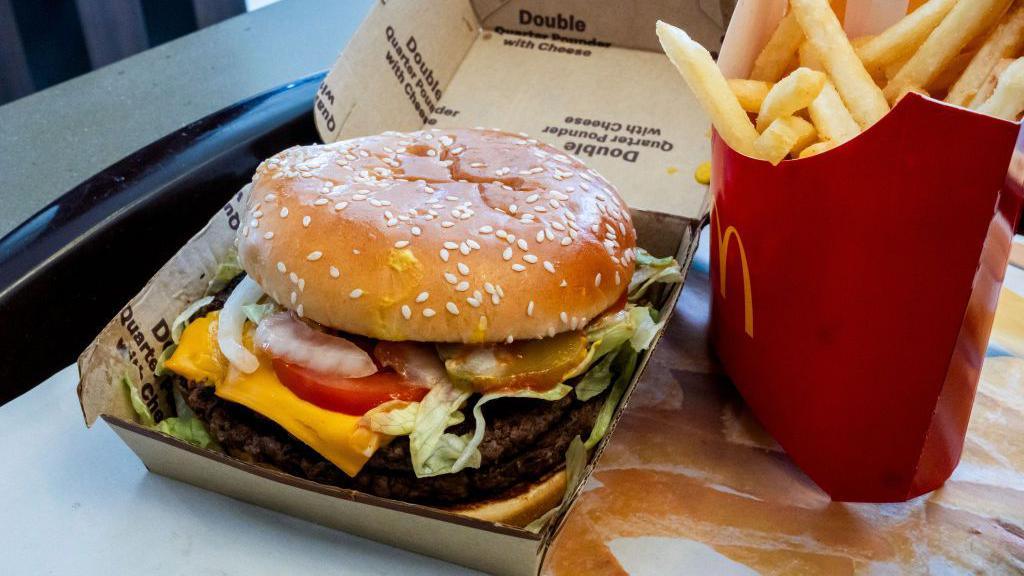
point(521, 508)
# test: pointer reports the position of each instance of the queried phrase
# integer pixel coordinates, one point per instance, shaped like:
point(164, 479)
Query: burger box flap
point(614, 101)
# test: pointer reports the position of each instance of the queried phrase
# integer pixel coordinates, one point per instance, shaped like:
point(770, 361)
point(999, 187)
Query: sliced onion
point(231, 321)
point(415, 361)
point(178, 326)
point(287, 338)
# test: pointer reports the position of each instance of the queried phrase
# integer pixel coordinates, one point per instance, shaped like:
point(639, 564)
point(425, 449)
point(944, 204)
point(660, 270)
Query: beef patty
point(525, 440)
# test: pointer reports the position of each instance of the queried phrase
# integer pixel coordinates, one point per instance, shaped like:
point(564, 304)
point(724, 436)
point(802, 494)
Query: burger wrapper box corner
point(854, 291)
point(585, 77)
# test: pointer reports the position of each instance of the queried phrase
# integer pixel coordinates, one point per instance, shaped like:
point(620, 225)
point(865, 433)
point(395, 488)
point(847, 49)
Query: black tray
point(68, 269)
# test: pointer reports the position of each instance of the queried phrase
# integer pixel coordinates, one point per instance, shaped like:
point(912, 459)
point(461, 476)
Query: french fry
point(809, 58)
point(1007, 102)
point(860, 41)
point(945, 80)
point(784, 135)
point(891, 69)
point(821, 27)
point(830, 116)
point(899, 41)
point(989, 86)
point(773, 60)
point(791, 94)
point(1007, 40)
point(704, 78)
point(815, 149)
point(750, 93)
point(965, 21)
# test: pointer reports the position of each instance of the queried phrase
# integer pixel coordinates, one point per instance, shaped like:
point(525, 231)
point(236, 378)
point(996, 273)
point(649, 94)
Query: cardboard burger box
point(854, 291)
point(585, 77)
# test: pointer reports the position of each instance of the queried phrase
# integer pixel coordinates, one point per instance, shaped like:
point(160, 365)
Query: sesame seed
point(401, 244)
point(512, 208)
point(257, 214)
point(473, 244)
point(474, 302)
point(518, 267)
point(509, 339)
point(451, 278)
point(422, 297)
point(392, 222)
point(522, 245)
point(486, 230)
point(406, 312)
point(549, 266)
point(531, 258)
point(356, 252)
point(355, 293)
point(314, 255)
point(452, 308)
point(529, 309)
point(597, 280)
point(500, 291)
point(617, 279)
point(564, 317)
point(444, 255)
point(451, 245)
point(464, 248)
point(532, 198)
point(549, 234)
point(575, 323)
point(340, 206)
point(270, 197)
point(320, 201)
point(415, 230)
point(563, 284)
point(281, 268)
point(478, 295)
point(462, 286)
point(254, 224)
point(335, 272)
point(295, 297)
point(501, 234)
point(428, 312)
point(447, 224)
point(358, 197)
point(305, 221)
point(284, 212)
point(299, 310)
point(268, 235)
point(551, 331)
point(293, 277)
point(495, 299)
point(463, 269)
point(540, 236)
point(507, 253)
point(489, 288)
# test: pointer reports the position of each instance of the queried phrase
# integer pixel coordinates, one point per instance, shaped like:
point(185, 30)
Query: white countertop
point(78, 501)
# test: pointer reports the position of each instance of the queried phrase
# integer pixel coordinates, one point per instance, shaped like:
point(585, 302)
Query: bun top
point(438, 236)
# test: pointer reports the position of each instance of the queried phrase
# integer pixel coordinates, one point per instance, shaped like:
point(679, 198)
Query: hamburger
point(441, 317)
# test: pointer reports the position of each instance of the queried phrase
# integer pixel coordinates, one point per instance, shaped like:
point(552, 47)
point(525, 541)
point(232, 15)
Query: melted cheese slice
point(337, 437)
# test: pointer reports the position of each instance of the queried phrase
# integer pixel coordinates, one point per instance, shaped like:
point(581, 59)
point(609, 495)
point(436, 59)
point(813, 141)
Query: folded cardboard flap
point(624, 112)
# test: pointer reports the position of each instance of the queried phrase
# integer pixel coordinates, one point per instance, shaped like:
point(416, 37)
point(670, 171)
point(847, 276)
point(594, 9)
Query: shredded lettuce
point(257, 312)
point(226, 271)
point(471, 452)
point(185, 426)
point(163, 358)
point(182, 320)
point(428, 434)
point(650, 271)
point(398, 418)
point(575, 464)
point(626, 364)
point(145, 417)
point(596, 380)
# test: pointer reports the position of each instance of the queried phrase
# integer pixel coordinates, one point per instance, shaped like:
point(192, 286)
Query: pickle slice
point(525, 364)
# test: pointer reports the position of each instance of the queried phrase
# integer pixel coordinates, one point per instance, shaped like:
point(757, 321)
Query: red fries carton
point(854, 291)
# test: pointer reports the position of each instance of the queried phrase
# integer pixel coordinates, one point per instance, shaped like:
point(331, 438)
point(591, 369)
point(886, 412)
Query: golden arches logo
point(723, 256)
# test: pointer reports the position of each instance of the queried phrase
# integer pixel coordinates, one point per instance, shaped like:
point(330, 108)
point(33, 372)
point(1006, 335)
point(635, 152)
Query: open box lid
point(605, 93)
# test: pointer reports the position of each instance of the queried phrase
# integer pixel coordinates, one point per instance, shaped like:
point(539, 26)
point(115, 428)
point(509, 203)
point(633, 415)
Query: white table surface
point(77, 501)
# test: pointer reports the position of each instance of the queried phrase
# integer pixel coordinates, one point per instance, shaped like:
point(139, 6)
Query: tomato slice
point(355, 396)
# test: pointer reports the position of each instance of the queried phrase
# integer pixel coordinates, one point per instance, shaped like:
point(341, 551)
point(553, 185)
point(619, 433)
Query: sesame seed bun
point(438, 236)
point(526, 505)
